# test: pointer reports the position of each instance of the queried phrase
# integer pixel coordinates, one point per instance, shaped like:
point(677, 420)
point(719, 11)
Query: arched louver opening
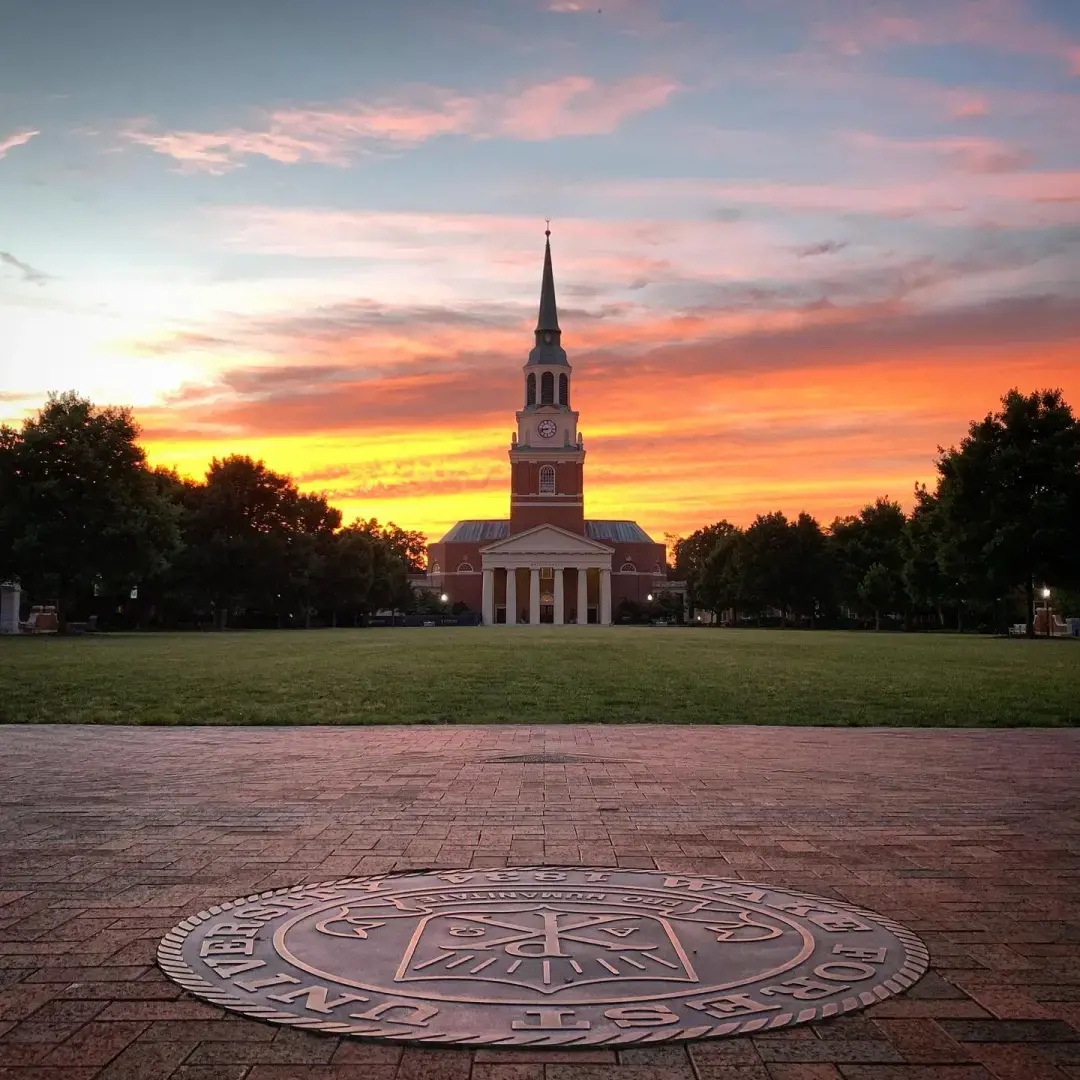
point(547, 388)
point(564, 390)
point(530, 389)
point(547, 480)
point(464, 568)
point(628, 568)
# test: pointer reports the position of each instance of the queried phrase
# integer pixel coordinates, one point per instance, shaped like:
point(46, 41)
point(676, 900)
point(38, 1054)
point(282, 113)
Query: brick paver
point(108, 836)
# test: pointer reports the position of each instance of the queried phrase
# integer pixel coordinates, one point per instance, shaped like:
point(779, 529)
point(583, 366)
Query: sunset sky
point(797, 243)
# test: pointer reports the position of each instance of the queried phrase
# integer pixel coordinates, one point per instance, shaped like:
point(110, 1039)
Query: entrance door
point(547, 613)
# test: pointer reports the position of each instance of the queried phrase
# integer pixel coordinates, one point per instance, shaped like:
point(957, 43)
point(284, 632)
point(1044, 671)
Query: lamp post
point(1046, 608)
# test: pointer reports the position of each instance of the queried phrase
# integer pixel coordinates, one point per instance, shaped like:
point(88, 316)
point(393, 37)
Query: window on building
point(547, 388)
point(547, 573)
point(530, 389)
point(628, 568)
point(465, 568)
point(436, 568)
point(547, 480)
point(564, 390)
point(657, 569)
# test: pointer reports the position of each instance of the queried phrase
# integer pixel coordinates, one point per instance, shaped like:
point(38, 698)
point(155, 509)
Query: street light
point(1046, 606)
point(444, 598)
point(649, 598)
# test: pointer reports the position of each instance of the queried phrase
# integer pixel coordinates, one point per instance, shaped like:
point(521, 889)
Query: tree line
point(1001, 525)
point(85, 523)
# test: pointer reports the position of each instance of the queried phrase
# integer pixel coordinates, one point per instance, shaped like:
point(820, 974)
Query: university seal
point(543, 956)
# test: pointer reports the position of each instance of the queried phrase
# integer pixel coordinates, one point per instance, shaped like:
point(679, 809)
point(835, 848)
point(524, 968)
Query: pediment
point(546, 540)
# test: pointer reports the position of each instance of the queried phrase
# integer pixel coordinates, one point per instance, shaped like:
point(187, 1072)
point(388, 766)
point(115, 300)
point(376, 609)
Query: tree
point(1010, 497)
point(408, 545)
point(346, 573)
point(718, 585)
point(310, 534)
point(396, 554)
point(669, 605)
point(875, 535)
point(769, 563)
point(877, 590)
point(253, 539)
point(691, 553)
point(79, 508)
point(811, 583)
point(925, 581)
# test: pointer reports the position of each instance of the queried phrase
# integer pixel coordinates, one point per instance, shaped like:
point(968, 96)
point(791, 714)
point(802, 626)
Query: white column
point(582, 595)
point(605, 597)
point(534, 596)
point(559, 598)
point(488, 606)
point(511, 595)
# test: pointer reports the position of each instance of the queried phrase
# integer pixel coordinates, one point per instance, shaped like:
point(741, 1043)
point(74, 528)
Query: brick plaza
point(109, 836)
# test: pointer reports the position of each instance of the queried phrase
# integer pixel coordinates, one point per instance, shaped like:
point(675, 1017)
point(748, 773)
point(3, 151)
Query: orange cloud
point(690, 422)
point(673, 452)
point(336, 134)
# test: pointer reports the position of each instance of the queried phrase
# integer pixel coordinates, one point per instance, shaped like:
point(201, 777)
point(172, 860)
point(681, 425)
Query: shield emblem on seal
point(545, 948)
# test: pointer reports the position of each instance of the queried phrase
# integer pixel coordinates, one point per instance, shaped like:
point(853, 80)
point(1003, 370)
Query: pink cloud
point(444, 113)
point(19, 138)
point(220, 152)
point(574, 105)
point(1013, 200)
point(577, 105)
point(619, 253)
point(970, 107)
point(1006, 25)
point(970, 154)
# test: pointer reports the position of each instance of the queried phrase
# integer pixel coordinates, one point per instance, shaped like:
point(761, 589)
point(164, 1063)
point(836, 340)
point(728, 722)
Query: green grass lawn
point(538, 675)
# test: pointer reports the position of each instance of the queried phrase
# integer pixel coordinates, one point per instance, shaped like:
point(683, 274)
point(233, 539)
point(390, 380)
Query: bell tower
point(547, 454)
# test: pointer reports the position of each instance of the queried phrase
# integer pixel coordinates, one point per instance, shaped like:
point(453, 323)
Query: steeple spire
point(548, 348)
point(549, 315)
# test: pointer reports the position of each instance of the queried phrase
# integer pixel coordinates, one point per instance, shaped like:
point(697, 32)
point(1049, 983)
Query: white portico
point(546, 574)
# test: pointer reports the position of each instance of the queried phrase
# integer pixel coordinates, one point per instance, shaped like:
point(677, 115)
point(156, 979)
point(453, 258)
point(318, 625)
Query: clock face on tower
point(546, 428)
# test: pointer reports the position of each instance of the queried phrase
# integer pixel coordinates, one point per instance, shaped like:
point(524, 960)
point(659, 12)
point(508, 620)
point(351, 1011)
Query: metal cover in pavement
point(543, 956)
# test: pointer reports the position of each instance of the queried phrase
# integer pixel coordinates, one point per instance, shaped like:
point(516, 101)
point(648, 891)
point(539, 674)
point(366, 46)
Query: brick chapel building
point(547, 562)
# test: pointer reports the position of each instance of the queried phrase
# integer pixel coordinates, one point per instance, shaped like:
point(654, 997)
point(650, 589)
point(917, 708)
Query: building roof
point(622, 532)
point(487, 530)
point(477, 531)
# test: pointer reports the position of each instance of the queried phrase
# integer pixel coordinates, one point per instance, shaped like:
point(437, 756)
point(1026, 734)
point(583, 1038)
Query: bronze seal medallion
point(543, 956)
